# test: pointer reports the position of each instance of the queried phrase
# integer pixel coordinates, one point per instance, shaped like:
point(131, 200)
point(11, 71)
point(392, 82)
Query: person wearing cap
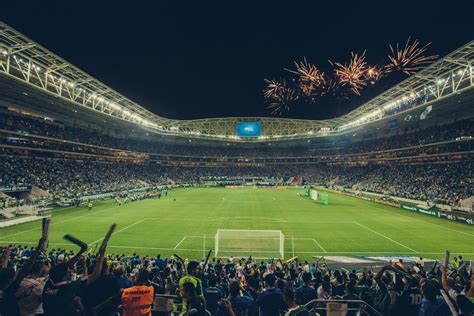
point(270, 301)
point(138, 299)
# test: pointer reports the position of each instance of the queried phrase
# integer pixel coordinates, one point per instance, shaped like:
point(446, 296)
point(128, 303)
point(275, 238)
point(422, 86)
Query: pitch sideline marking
point(118, 231)
point(386, 237)
point(53, 223)
point(184, 238)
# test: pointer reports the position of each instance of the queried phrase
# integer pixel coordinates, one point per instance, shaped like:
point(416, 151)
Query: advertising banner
point(415, 208)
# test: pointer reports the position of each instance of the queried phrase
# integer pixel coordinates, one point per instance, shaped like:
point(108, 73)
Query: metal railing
point(340, 307)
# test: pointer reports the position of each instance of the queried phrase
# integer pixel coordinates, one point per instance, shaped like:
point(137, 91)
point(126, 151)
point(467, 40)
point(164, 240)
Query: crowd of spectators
point(35, 281)
point(66, 177)
point(438, 182)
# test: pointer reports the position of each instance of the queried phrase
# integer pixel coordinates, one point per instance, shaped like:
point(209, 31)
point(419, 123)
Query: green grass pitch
point(347, 226)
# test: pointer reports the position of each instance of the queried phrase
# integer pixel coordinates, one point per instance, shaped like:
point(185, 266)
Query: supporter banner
point(466, 219)
point(421, 210)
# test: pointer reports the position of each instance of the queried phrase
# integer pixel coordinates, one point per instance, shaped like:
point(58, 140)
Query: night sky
point(196, 59)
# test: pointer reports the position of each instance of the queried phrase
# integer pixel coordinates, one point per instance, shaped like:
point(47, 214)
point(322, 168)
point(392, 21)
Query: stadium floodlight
point(255, 243)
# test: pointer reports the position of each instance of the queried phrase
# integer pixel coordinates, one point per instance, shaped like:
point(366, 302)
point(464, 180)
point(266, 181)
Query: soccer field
point(347, 226)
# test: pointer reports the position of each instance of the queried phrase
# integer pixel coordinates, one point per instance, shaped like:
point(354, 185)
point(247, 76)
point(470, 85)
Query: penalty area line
point(313, 239)
point(184, 238)
point(386, 237)
point(319, 245)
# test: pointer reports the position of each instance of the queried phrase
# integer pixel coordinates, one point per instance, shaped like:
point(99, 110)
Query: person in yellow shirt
point(421, 263)
point(138, 299)
point(192, 277)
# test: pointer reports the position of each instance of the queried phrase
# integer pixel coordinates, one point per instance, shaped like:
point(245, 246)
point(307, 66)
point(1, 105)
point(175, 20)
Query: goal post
point(256, 243)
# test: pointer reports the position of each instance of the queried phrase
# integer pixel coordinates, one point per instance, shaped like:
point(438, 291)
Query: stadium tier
point(344, 216)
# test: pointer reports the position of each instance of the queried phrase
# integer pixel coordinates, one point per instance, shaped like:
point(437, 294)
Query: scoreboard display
point(249, 129)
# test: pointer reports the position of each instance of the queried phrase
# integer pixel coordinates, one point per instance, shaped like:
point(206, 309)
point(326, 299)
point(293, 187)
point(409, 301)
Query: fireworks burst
point(409, 59)
point(308, 83)
point(374, 73)
point(279, 96)
point(309, 77)
point(273, 88)
point(352, 74)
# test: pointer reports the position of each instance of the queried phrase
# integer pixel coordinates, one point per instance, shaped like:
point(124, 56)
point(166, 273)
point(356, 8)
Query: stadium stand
point(62, 175)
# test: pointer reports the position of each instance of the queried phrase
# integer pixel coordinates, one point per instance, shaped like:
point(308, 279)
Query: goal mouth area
point(257, 243)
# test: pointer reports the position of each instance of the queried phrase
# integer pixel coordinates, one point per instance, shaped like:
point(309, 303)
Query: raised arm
point(42, 245)
point(444, 279)
point(84, 268)
point(100, 258)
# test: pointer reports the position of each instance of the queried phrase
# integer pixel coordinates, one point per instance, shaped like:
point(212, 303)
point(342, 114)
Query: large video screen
point(249, 129)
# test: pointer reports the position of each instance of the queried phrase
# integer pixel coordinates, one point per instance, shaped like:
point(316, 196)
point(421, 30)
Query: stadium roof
point(24, 60)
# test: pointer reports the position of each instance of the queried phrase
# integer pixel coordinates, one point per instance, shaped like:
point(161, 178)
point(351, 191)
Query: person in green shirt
point(192, 277)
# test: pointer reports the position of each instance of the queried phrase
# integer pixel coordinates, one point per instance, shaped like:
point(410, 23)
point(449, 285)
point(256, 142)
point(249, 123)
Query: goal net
point(242, 243)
